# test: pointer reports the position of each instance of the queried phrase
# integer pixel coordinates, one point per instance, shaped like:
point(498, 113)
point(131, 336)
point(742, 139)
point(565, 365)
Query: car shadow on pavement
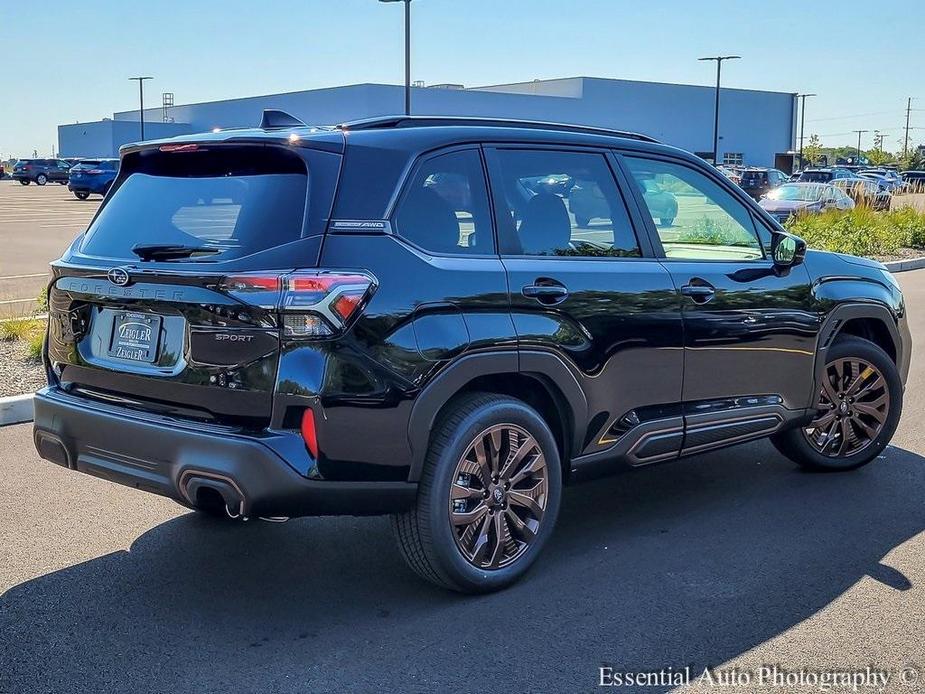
point(686, 564)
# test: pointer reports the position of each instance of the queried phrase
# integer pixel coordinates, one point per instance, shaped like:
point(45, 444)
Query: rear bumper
point(177, 459)
point(87, 187)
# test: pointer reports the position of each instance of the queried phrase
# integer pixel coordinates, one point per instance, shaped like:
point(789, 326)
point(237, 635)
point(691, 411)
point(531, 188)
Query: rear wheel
point(858, 408)
point(41, 179)
point(488, 496)
point(81, 195)
point(24, 181)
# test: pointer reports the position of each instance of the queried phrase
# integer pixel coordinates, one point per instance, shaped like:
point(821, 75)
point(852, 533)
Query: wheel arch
point(874, 322)
point(540, 379)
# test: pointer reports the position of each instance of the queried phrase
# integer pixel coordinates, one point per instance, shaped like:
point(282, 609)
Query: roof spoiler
point(273, 118)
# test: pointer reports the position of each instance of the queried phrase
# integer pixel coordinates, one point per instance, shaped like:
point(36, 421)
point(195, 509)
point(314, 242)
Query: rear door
point(586, 288)
point(168, 301)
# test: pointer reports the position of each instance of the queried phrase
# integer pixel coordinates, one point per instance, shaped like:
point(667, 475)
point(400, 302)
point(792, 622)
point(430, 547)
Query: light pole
point(802, 98)
point(719, 67)
point(407, 53)
point(859, 132)
point(141, 101)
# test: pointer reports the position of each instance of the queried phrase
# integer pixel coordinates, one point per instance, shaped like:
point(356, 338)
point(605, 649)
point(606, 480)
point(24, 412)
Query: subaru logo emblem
point(119, 276)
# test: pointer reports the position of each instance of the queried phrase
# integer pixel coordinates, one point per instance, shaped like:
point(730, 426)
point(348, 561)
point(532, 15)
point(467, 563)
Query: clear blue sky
point(77, 54)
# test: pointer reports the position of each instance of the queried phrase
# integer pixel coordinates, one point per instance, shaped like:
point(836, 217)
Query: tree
point(812, 150)
point(876, 157)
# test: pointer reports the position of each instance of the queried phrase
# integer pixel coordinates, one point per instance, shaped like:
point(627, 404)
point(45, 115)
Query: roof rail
point(274, 118)
point(433, 121)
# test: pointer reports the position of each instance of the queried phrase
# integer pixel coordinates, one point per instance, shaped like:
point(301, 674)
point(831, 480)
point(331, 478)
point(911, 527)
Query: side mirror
point(787, 250)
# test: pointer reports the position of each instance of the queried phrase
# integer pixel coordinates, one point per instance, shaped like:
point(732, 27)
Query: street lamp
point(802, 98)
point(141, 101)
point(407, 53)
point(719, 66)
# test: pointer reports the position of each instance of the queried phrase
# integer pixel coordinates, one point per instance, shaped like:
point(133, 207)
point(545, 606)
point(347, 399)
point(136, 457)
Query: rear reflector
point(309, 435)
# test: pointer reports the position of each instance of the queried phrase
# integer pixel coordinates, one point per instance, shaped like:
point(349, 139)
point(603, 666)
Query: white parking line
point(23, 277)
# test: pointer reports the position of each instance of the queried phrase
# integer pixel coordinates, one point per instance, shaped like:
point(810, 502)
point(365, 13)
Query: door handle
point(701, 293)
point(546, 293)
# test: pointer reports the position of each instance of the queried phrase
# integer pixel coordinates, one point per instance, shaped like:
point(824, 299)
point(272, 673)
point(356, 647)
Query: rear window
point(230, 205)
point(754, 177)
point(816, 176)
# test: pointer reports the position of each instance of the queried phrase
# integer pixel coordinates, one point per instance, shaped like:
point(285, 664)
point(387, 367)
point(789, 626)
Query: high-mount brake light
point(311, 303)
point(179, 148)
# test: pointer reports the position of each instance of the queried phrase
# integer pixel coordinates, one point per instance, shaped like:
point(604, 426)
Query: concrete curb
point(904, 265)
point(16, 409)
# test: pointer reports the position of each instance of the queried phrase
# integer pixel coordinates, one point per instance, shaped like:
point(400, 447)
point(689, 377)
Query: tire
point(81, 194)
point(24, 181)
point(427, 538)
point(41, 179)
point(666, 221)
point(881, 397)
point(62, 183)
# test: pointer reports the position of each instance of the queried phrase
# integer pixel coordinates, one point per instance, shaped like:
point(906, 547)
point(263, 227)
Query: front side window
point(445, 207)
point(562, 204)
point(695, 217)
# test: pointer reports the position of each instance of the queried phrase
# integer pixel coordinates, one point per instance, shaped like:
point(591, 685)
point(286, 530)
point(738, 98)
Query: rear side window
point(228, 203)
point(445, 209)
point(562, 204)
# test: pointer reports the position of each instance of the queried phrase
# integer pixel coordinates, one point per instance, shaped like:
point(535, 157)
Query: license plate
point(135, 336)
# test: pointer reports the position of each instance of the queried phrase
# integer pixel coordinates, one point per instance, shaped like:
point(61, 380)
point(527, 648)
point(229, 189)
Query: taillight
point(311, 303)
point(94, 171)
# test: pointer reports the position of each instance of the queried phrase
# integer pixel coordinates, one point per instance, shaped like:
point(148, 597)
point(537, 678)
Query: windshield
point(797, 193)
point(236, 215)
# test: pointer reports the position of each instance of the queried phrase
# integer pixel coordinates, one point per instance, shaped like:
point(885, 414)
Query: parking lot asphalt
point(36, 225)
point(732, 560)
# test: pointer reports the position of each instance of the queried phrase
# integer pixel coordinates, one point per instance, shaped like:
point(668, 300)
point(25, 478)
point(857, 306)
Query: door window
point(695, 217)
point(561, 204)
point(445, 208)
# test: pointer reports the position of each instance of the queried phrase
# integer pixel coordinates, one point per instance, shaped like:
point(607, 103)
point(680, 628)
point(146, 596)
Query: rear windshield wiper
point(169, 251)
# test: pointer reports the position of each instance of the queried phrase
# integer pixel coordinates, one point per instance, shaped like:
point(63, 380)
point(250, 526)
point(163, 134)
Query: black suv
point(41, 171)
point(757, 182)
point(390, 316)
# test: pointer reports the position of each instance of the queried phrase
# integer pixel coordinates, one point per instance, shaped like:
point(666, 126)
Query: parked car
point(449, 356)
point(804, 198)
point(914, 181)
point(888, 178)
point(40, 171)
point(733, 173)
point(865, 191)
point(756, 182)
point(824, 175)
point(92, 176)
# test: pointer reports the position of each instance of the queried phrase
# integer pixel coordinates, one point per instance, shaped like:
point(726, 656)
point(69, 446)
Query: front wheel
point(81, 195)
point(488, 496)
point(41, 179)
point(860, 399)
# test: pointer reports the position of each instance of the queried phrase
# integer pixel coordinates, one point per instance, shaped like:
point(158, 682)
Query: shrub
point(15, 328)
point(861, 231)
point(34, 346)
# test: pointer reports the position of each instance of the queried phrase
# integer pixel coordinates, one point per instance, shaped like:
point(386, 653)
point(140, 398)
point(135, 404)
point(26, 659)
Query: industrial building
point(756, 127)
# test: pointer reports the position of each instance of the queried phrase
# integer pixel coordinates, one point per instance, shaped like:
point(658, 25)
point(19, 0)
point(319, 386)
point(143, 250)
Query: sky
point(70, 61)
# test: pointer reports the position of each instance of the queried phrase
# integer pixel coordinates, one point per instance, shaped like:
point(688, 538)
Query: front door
point(586, 289)
point(750, 332)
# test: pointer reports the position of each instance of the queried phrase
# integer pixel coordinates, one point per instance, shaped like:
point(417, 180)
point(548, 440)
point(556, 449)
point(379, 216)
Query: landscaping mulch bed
point(901, 254)
point(19, 373)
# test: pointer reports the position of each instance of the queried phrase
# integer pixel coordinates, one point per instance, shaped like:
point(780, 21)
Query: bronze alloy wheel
point(498, 496)
point(854, 403)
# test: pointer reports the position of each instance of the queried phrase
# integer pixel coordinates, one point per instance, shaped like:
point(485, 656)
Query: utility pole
point(859, 132)
point(906, 142)
point(802, 98)
point(141, 102)
point(719, 66)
